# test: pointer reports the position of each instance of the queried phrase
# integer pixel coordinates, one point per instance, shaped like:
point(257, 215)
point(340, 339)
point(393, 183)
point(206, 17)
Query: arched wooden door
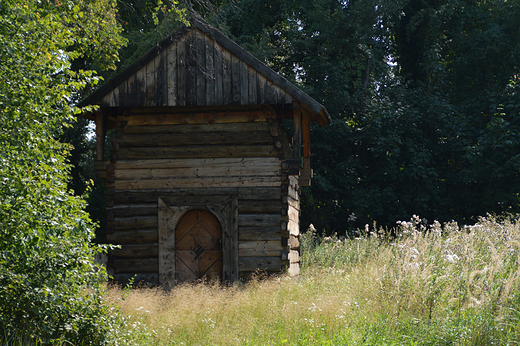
point(198, 247)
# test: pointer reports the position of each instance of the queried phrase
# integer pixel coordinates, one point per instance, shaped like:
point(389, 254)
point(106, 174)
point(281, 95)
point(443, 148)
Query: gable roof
point(199, 66)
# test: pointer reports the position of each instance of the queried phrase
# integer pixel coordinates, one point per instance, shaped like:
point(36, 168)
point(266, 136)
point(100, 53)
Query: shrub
point(49, 285)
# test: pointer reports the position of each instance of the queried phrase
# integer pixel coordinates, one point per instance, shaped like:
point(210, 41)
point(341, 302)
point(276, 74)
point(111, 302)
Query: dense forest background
point(423, 95)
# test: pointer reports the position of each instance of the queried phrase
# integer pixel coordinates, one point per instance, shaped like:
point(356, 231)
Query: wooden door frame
point(172, 208)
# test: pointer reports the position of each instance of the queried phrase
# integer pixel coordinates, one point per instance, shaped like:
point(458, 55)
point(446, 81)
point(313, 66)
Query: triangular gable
point(199, 66)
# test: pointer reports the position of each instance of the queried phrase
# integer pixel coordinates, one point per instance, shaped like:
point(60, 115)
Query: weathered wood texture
point(144, 228)
point(293, 204)
point(195, 71)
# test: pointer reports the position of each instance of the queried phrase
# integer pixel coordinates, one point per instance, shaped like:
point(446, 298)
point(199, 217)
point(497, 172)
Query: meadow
point(425, 284)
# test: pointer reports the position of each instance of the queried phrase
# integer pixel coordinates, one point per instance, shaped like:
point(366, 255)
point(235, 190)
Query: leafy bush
point(49, 284)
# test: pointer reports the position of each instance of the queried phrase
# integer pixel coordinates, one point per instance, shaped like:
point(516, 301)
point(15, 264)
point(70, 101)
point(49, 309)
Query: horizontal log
point(247, 233)
point(141, 222)
point(195, 172)
point(198, 139)
point(133, 237)
point(151, 195)
point(137, 251)
point(199, 182)
point(139, 279)
point(260, 248)
point(197, 128)
point(200, 152)
point(260, 253)
point(133, 210)
point(197, 163)
point(136, 265)
point(259, 220)
point(195, 118)
point(259, 263)
point(259, 207)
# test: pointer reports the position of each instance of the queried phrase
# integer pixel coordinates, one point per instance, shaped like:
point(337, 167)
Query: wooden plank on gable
point(288, 98)
point(218, 71)
point(244, 83)
point(191, 69)
point(161, 67)
point(132, 91)
point(181, 72)
point(270, 93)
point(141, 86)
point(200, 47)
point(210, 71)
point(115, 97)
point(252, 99)
point(235, 80)
point(280, 95)
point(122, 93)
point(150, 83)
point(261, 82)
point(171, 75)
point(227, 80)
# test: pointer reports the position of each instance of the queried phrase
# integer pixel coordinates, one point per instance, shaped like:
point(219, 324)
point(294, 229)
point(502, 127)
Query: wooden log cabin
point(203, 181)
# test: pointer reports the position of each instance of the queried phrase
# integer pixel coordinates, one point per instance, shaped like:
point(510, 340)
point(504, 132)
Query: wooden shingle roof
point(199, 66)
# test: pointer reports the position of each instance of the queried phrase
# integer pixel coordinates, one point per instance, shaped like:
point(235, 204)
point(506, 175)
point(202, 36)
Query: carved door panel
point(197, 243)
point(198, 247)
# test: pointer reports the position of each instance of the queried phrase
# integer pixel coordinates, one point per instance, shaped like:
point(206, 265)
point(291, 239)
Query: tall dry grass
point(431, 284)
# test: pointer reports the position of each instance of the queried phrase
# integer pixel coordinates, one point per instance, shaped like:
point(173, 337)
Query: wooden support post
point(306, 172)
point(101, 130)
point(306, 131)
point(297, 135)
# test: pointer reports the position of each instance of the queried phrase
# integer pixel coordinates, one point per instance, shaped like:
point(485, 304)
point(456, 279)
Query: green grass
point(431, 285)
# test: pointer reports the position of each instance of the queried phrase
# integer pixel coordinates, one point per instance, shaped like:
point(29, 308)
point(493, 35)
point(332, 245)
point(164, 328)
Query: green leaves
point(434, 132)
point(46, 262)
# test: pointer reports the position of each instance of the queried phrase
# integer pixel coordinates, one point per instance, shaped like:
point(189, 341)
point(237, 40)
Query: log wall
point(152, 159)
